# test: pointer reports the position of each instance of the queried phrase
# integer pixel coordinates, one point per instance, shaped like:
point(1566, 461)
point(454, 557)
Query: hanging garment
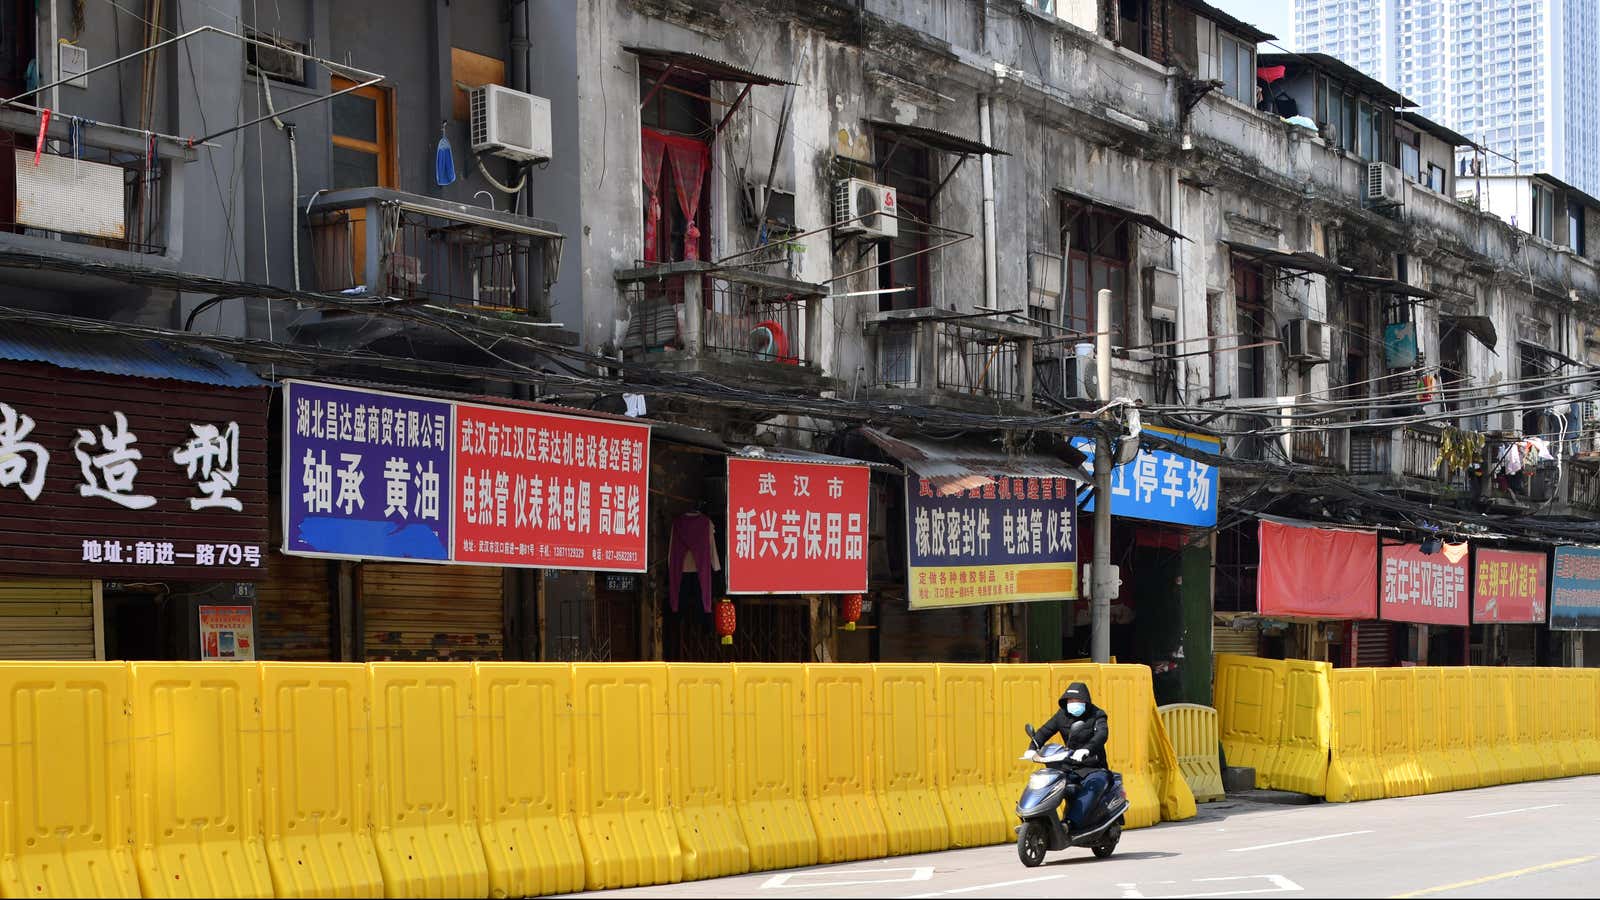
point(444, 160)
point(693, 549)
point(1511, 459)
point(1536, 450)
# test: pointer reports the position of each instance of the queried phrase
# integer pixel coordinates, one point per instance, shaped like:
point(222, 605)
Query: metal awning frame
point(1291, 261)
point(1126, 214)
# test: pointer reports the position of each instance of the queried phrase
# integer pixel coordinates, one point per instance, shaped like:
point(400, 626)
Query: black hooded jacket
point(1063, 720)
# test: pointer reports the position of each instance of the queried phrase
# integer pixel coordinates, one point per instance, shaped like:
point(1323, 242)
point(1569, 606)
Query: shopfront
point(1317, 593)
point(1425, 606)
point(1510, 597)
point(435, 501)
point(134, 501)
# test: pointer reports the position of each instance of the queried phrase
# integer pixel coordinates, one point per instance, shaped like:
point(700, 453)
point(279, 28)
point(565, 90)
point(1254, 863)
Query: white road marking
point(1280, 885)
point(788, 879)
point(987, 887)
point(1507, 812)
point(1324, 837)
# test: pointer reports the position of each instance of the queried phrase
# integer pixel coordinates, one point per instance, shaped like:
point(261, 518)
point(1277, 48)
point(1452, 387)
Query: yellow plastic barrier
point(315, 770)
point(197, 780)
point(1456, 722)
point(1396, 721)
point(839, 785)
point(1193, 732)
point(769, 779)
point(701, 786)
point(1428, 730)
point(1177, 800)
point(424, 817)
point(1553, 724)
point(620, 740)
point(1024, 695)
point(1584, 701)
point(1249, 700)
point(905, 758)
point(522, 723)
point(1523, 713)
point(968, 768)
point(1125, 694)
point(1492, 732)
point(65, 771)
point(1353, 773)
point(1300, 762)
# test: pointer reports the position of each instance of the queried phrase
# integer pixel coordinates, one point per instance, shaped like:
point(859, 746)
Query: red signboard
point(1508, 586)
point(550, 491)
point(796, 528)
point(1427, 588)
point(1317, 573)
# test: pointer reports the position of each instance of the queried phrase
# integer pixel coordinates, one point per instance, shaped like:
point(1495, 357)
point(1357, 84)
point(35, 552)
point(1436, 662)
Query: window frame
point(1250, 307)
point(1111, 259)
point(385, 129)
point(915, 204)
point(1245, 90)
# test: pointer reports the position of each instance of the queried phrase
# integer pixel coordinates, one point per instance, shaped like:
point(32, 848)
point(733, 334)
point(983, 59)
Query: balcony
point(696, 316)
point(1407, 458)
point(1314, 443)
point(377, 242)
point(1583, 485)
point(941, 356)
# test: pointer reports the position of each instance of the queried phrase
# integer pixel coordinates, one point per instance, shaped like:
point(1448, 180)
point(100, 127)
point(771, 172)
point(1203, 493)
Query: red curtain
point(1317, 573)
point(689, 159)
point(654, 151)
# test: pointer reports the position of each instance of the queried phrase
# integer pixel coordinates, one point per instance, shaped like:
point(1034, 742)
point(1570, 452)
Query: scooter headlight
point(1039, 780)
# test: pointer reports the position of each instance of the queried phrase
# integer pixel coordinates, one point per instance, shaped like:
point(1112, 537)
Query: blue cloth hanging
point(444, 161)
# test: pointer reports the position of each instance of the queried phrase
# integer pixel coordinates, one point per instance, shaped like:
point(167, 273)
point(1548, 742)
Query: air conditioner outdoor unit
point(1080, 378)
point(510, 123)
point(854, 199)
point(1306, 340)
point(1384, 185)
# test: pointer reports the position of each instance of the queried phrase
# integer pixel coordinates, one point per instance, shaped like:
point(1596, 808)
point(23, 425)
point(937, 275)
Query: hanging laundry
point(44, 129)
point(693, 550)
point(444, 160)
point(1511, 459)
point(1536, 450)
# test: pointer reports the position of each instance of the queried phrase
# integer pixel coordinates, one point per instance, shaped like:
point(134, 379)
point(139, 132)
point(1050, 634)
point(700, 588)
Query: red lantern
point(852, 611)
point(727, 620)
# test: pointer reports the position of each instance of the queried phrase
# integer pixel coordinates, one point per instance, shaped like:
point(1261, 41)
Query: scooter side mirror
point(1029, 729)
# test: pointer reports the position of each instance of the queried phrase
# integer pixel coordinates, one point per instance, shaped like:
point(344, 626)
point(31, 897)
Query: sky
point(1272, 16)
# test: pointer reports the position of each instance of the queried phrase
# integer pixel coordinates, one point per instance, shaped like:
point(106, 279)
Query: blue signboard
point(1575, 590)
point(1010, 540)
point(1161, 486)
point(366, 474)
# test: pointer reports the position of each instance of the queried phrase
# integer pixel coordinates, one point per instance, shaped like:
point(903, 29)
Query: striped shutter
point(1242, 641)
point(293, 621)
point(50, 618)
point(1374, 644)
point(425, 612)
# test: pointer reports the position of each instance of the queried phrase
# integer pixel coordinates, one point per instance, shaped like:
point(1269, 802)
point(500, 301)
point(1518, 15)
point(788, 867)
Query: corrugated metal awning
point(1288, 260)
point(705, 65)
point(1391, 286)
point(933, 139)
point(120, 354)
point(786, 454)
point(958, 467)
point(1132, 215)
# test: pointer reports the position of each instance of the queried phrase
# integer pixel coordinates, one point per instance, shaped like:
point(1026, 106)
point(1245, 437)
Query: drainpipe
point(990, 279)
point(1181, 331)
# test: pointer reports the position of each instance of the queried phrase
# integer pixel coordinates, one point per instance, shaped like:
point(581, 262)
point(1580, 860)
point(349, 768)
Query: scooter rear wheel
point(1031, 844)
point(1105, 848)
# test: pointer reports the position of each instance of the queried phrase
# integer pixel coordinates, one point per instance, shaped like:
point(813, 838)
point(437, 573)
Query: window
point(1436, 176)
point(1410, 159)
point(1357, 336)
point(1575, 235)
point(1250, 326)
point(1544, 212)
point(903, 261)
point(674, 114)
point(1097, 248)
point(363, 137)
point(1239, 70)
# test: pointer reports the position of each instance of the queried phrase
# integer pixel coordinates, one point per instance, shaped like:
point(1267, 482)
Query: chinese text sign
point(1508, 586)
point(1161, 486)
point(1426, 588)
point(227, 632)
point(125, 478)
point(796, 528)
point(366, 473)
point(551, 491)
point(1575, 589)
point(1008, 541)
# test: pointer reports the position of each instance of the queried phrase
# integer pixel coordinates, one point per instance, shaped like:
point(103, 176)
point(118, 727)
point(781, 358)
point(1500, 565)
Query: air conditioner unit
point(1384, 185)
point(510, 123)
point(1306, 340)
point(854, 199)
point(1080, 377)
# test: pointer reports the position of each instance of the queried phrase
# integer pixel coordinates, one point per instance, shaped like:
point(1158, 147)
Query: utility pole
point(1102, 585)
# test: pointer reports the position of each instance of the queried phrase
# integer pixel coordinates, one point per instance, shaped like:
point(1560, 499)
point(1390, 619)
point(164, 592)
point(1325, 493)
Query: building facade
point(1515, 77)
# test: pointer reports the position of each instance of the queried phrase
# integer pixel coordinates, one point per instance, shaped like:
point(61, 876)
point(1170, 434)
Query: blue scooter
point(1094, 797)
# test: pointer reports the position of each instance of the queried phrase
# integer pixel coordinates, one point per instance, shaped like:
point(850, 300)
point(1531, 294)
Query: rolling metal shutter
point(293, 621)
point(49, 618)
point(1242, 641)
point(959, 635)
point(423, 612)
point(1374, 644)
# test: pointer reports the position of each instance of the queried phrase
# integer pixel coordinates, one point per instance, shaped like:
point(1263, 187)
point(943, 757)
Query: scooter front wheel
point(1031, 843)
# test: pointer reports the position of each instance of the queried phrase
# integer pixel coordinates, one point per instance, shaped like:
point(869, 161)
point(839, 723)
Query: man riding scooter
point(1089, 753)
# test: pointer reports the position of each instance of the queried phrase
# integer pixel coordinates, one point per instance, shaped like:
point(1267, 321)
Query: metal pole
point(1101, 586)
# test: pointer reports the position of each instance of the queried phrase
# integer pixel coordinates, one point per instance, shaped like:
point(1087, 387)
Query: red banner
point(1427, 588)
point(1317, 573)
point(550, 491)
point(1508, 586)
point(796, 528)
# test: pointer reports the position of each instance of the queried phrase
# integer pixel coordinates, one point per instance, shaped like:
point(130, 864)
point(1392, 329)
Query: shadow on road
point(1090, 859)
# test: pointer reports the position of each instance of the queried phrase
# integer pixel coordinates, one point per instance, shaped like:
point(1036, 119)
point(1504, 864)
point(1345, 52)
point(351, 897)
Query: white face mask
point(1075, 709)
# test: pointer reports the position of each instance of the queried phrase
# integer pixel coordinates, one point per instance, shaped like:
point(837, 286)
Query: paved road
point(1528, 840)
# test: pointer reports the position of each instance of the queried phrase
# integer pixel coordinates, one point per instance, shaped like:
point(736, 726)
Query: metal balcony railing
point(96, 196)
point(701, 310)
point(936, 350)
point(386, 243)
point(1316, 444)
point(1583, 484)
point(1411, 451)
